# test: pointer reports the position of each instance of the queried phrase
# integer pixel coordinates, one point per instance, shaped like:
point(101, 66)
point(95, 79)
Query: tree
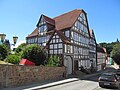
point(34, 53)
point(53, 61)
point(108, 46)
point(20, 49)
point(7, 43)
point(3, 51)
point(116, 53)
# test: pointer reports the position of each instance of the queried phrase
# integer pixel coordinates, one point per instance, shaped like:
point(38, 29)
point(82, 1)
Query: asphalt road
point(89, 83)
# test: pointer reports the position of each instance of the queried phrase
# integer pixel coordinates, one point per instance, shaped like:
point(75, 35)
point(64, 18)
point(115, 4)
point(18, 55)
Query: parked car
point(109, 79)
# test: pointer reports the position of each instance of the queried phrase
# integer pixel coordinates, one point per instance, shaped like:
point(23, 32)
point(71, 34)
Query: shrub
point(35, 54)
point(3, 51)
point(53, 61)
point(20, 49)
point(14, 59)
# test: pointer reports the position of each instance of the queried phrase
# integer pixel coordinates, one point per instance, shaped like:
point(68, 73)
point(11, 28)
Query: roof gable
point(66, 20)
point(47, 20)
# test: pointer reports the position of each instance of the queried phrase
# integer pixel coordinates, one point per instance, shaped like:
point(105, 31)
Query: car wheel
point(101, 85)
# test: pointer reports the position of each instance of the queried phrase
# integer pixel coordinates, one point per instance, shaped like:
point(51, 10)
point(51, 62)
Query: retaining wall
point(16, 75)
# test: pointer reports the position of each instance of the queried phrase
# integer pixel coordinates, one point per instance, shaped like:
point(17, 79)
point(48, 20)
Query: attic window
point(42, 21)
point(42, 28)
point(83, 16)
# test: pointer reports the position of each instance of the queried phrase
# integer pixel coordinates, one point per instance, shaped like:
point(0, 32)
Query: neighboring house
point(101, 58)
point(93, 50)
point(67, 36)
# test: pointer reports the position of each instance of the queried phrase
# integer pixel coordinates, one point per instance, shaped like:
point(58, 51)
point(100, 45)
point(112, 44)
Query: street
point(88, 83)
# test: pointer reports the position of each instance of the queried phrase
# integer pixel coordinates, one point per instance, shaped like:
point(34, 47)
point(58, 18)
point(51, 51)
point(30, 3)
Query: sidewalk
point(50, 83)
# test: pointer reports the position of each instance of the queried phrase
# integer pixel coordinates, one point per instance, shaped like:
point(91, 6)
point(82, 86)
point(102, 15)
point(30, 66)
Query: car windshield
point(108, 75)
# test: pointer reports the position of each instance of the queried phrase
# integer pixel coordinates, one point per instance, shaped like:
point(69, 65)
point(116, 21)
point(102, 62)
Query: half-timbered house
point(67, 36)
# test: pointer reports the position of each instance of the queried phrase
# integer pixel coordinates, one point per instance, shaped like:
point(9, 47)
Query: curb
point(53, 84)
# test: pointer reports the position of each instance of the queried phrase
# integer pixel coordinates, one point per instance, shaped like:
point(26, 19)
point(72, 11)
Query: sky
point(19, 17)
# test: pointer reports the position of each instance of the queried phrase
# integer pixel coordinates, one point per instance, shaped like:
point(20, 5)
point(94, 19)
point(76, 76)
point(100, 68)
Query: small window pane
point(57, 40)
point(51, 51)
point(55, 45)
point(53, 40)
point(51, 46)
point(60, 40)
point(67, 33)
point(60, 45)
point(55, 51)
point(60, 51)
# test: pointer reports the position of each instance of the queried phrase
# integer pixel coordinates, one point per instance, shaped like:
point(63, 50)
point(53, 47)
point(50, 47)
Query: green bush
point(35, 54)
point(3, 51)
point(20, 49)
point(14, 59)
point(53, 61)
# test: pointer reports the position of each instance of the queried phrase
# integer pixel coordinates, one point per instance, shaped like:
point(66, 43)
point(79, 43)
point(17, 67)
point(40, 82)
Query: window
point(51, 46)
point(83, 16)
point(60, 51)
point(42, 28)
point(51, 51)
point(85, 29)
point(60, 40)
point(36, 39)
point(60, 45)
point(67, 33)
point(42, 21)
point(53, 40)
point(57, 36)
point(55, 46)
point(55, 51)
point(53, 36)
point(57, 40)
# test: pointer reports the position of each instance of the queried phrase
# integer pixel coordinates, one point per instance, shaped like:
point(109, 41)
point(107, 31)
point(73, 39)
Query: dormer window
point(42, 21)
point(42, 26)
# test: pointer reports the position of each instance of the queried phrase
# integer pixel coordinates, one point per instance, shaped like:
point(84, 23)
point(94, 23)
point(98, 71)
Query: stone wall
point(15, 75)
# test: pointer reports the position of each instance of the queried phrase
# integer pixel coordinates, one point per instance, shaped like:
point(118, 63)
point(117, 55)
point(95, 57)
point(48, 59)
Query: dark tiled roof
point(34, 33)
point(61, 22)
point(49, 20)
point(66, 20)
